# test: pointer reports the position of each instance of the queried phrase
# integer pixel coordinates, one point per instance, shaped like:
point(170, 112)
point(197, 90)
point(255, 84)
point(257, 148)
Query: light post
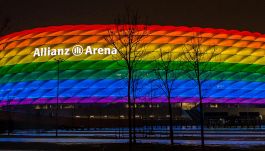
point(58, 61)
point(9, 115)
point(9, 111)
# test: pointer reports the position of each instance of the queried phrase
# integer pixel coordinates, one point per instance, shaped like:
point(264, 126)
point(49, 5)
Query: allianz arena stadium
point(28, 77)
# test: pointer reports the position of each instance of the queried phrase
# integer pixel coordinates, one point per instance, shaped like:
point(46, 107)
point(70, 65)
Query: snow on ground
point(223, 136)
point(156, 141)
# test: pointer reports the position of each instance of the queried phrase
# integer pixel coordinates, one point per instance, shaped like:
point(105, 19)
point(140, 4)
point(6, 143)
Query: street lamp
point(9, 114)
point(58, 60)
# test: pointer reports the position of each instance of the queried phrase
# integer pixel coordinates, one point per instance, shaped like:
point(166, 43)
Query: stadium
point(84, 85)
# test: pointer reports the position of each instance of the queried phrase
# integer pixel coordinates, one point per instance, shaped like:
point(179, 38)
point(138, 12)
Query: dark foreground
point(119, 147)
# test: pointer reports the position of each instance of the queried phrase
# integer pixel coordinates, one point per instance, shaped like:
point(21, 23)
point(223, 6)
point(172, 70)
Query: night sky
point(228, 14)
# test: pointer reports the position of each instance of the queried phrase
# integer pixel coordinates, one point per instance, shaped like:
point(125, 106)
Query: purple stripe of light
point(124, 100)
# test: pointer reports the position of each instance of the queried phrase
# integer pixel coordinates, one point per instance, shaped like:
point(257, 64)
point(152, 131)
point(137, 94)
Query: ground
point(188, 139)
point(120, 147)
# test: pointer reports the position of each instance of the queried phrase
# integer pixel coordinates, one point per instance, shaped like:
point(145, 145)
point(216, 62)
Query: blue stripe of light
point(118, 88)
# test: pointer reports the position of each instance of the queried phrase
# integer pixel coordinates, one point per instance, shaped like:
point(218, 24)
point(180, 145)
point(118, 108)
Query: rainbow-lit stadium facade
point(238, 74)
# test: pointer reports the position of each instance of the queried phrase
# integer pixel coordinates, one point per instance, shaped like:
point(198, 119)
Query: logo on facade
point(76, 50)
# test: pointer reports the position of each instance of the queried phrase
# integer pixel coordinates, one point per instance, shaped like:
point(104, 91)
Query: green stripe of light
point(113, 70)
point(118, 74)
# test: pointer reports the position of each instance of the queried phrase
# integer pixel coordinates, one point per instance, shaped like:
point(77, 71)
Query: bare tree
point(167, 72)
point(196, 58)
point(126, 36)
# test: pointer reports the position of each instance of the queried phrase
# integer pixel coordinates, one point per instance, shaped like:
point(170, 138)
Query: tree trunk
point(134, 122)
point(171, 133)
point(129, 109)
point(201, 114)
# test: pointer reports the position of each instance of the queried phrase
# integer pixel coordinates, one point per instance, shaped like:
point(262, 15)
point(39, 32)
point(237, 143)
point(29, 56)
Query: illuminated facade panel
point(28, 77)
